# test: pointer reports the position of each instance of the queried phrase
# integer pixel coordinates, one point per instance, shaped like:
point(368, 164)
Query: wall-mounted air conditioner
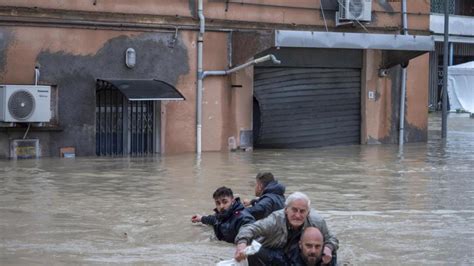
point(360, 10)
point(25, 103)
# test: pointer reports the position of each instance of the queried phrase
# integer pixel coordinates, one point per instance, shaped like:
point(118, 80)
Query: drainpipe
point(200, 78)
point(202, 74)
point(403, 78)
point(444, 105)
point(37, 75)
point(237, 68)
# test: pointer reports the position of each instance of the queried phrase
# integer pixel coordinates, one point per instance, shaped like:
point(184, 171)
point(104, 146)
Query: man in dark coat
point(270, 196)
point(310, 249)
point(230, 215)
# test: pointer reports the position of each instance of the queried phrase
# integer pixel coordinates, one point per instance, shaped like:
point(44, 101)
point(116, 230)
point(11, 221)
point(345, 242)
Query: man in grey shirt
point(281, 231)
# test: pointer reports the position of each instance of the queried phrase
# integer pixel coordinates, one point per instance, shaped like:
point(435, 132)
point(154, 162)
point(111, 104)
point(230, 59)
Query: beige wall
point(155, 7)
point(28, 42)
point(226, 109)
point(380, 116)
point(178, 120)
point(417, 97)
point(25, 44)
point(376, 113)
point(287, 13)
point(243, 101)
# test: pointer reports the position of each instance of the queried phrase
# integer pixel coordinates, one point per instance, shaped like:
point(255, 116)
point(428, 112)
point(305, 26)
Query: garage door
point(306, 107)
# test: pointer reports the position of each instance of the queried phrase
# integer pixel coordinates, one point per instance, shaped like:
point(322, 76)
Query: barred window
point(437, 6)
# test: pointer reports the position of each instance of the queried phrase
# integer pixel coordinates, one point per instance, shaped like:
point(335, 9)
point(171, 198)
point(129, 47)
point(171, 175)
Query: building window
point(456, 7)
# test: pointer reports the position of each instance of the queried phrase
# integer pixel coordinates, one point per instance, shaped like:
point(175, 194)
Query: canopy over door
point(145, 89)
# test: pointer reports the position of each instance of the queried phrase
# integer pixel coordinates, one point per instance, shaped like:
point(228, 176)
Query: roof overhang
point(461, 28)
point(454, 39)
point(145, 89)
point(458, 25)
point(396, 49)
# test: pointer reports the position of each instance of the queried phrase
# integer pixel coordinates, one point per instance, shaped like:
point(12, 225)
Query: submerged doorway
point(123, 127)
point(128, 115)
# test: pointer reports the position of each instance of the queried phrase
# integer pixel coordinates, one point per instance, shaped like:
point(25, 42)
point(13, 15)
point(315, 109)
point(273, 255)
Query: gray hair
point(297, 196)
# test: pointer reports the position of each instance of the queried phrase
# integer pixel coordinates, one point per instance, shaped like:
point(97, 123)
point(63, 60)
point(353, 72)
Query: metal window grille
point(122, 127)
point(437, 6)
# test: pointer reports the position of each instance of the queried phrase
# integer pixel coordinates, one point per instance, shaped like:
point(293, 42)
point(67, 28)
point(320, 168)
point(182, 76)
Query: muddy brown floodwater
point(386, 208)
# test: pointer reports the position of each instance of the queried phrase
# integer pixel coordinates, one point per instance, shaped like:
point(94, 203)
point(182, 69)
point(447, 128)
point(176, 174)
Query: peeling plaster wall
point(179, 118)
point(73, 59)
point(5, 40)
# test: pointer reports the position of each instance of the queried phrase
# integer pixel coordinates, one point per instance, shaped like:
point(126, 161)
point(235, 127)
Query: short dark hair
point(223, 192)
point(265, 178)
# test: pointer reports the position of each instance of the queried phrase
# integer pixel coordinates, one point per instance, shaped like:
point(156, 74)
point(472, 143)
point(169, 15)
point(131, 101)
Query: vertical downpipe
point(200, 77)
point(404, 80)
point(444, 105)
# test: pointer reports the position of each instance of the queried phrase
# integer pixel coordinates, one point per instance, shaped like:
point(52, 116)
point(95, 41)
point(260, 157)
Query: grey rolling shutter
point(307, 107)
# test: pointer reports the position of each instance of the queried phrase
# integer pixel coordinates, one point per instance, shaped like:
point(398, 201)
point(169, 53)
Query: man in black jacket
point(310, 249)
point(270, 196)
point(230, 215)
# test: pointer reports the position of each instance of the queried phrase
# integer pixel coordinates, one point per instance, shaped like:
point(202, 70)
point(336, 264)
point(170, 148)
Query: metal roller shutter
point(306, 107)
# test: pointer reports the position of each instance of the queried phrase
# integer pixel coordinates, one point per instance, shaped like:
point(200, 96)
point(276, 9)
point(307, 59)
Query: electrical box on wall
point(25, 103)
point(24, 149)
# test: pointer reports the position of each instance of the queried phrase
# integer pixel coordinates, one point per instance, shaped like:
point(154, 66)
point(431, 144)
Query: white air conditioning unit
point(25, 103)
point(360, 10)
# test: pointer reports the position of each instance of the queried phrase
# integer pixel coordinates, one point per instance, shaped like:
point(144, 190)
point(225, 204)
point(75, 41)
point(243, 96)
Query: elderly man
point(282, 231)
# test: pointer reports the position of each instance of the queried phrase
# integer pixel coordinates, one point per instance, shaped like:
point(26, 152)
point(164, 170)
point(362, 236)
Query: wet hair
point(222, 192)
point(297, 196)
point(265, 178)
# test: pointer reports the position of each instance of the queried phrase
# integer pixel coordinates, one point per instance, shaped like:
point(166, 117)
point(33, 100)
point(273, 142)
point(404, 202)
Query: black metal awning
point(144, 89)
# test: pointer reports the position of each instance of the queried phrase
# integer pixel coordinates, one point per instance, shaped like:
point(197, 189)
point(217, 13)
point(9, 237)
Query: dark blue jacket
point(272, 199)
point(295, 259)
point(227, 224)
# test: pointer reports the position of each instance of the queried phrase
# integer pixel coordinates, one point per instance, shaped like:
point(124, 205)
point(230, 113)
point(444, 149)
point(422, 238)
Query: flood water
point(385, 209)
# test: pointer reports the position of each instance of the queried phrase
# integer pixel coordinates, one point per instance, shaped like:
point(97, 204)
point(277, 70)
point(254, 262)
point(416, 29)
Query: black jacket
point(272, 199)
point(295, 259)
point(226, 225)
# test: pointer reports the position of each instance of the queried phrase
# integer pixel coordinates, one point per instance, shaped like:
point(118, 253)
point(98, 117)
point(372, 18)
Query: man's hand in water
point(327, 255)
point(196, 218)
point(240, 252)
